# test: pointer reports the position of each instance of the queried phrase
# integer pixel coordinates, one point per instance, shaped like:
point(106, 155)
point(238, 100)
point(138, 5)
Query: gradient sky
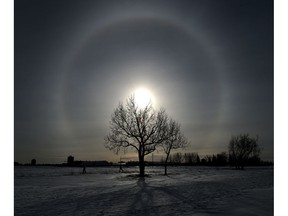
point(208, 63)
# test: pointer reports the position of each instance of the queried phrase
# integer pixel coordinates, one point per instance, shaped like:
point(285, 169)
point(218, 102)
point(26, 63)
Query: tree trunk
point(141, 165)
point(166, 161)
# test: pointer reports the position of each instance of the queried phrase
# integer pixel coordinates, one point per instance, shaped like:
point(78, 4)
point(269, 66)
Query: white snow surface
point(104, 191)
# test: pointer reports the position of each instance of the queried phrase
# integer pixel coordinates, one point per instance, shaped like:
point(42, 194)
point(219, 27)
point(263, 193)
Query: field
point(104, 191)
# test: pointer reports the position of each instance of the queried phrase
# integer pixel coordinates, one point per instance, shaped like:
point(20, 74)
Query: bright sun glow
point(143, 97)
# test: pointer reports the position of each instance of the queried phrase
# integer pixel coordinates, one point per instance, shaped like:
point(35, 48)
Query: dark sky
point(209, 63)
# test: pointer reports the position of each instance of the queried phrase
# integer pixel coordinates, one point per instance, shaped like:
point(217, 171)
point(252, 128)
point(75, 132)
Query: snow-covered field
point(105, 191)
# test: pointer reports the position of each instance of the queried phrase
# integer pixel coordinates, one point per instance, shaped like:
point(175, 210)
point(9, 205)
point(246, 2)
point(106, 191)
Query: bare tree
point(175, 140)
point(241, 149)
point(208, 159)
point(138, 129)
point(191, 158)
point(176, 158)
point(221, 159)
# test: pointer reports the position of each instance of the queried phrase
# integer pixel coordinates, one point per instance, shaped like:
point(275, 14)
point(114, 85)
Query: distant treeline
point(220, 159)
point(74, 163)
point(193, 159)
point(183, 159)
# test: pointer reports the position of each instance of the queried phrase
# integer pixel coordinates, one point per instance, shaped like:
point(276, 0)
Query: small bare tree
point(191, 158)
point(241, 149)
point(176, 158)
point(141, 129)
point(175, 140)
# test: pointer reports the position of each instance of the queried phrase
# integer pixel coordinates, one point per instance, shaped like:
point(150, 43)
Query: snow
point(105, 191)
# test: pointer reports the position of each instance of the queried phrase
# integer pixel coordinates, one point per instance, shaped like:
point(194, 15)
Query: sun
point(143, 97)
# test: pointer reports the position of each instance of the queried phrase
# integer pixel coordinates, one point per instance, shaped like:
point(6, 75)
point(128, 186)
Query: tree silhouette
point(176, 158)
point(175, 139)
point(191, 158)
point(221, 159)
point(241, 149)
point(141, 129)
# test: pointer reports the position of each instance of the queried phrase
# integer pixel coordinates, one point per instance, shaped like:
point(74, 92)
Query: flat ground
point(105, 191)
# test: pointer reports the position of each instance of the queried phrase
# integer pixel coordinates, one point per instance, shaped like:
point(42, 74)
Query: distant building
point(33, 162)
point(70, 160)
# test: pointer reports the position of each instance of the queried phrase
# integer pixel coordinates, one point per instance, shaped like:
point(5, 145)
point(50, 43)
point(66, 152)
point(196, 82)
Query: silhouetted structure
point(33, 162)
point(70, 160)
point(84, 169)
point(120, 168)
